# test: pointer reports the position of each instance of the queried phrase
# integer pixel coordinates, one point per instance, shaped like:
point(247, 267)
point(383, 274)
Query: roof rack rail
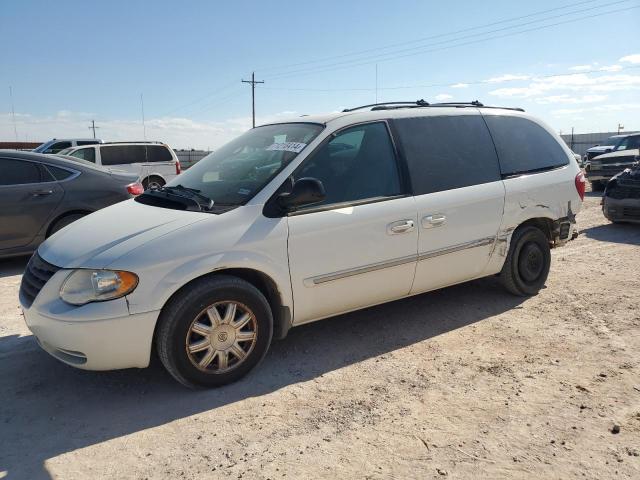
point(134, 141)
point(416, 103)
point(475, 103)
point(423, 103)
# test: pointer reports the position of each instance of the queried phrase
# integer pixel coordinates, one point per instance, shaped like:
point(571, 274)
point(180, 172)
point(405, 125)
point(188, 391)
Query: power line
point(393, 56)
point(198, 100)
point(253, 83)
point(218, 102)
point(431, 37)
point(448, 84)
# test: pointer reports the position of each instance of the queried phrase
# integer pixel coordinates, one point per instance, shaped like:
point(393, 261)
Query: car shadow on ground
point(13, 266)
point(615, 232)
point(48, 408)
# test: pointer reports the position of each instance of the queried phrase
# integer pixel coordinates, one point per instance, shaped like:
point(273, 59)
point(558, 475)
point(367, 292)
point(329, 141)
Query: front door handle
point(434, 220)
point(42, 193)
point(402, 226)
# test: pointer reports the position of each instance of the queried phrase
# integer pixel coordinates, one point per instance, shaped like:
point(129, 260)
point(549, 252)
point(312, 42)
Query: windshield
point(238, 170)
point(65, 151)
point(628, 143)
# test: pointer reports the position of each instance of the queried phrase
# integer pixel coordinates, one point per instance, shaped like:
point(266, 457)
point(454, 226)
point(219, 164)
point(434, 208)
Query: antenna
point(13, 113)
point(144, 127)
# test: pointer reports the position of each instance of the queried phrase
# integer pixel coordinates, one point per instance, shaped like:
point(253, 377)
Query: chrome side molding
point(456, 248)
point(330, 277)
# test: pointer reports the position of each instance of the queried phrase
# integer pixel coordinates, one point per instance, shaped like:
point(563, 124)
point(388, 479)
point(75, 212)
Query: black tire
point(174, 329)
point(597, 185)
point(64, 221)
point(152, 181)
point(528, 262)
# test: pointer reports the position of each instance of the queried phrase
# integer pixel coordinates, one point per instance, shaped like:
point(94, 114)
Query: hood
point(600, 149)
point(98, 239)
point(619, 156)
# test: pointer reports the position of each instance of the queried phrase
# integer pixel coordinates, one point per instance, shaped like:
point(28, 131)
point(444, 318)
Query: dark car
point(40, 194)
point(600, 169)
point(621, 202)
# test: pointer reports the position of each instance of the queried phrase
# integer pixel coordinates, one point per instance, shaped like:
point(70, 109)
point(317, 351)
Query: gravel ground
point(465, 382)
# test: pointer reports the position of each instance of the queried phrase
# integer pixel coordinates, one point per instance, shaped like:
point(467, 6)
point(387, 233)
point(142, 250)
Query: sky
point(575, 64)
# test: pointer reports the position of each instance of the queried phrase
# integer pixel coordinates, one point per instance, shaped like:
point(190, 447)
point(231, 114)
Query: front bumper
point(621, 210)
point(96, 336)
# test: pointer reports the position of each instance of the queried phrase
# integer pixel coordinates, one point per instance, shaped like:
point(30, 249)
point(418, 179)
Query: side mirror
point(305, 191)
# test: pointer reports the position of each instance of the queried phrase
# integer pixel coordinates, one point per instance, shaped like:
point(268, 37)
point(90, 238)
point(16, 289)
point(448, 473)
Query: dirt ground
point(466, 382)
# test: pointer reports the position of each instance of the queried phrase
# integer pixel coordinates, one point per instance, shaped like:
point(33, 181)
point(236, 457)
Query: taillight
point(581, 184)
point(178, 167)
point(135, 188)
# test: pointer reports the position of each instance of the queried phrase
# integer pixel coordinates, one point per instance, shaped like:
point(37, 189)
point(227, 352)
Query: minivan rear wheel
point(214, 332)
point(527, 265)
point(153, 182)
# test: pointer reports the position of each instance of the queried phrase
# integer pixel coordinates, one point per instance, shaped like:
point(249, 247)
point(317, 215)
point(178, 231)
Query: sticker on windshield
point(295, 147)
point(244, 191)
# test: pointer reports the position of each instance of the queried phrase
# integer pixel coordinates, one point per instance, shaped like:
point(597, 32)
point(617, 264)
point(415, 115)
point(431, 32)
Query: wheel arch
point(59, 217)
point(282, 315)
point(545, 224)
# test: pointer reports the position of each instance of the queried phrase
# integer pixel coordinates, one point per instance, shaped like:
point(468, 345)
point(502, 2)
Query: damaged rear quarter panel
point(540, 195)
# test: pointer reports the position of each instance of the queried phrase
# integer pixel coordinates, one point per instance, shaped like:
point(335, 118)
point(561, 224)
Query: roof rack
point(423, 103)
point(134, 141)
point(383, 105)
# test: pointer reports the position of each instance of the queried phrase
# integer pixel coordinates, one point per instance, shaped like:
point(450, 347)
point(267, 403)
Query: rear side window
point(88, 154)
point(447, 152)
point(86, 142)
point(158, 153)
point(59, 173)
point(17, 172)
point(56, 147)
point(123, 154)
point(524, 146)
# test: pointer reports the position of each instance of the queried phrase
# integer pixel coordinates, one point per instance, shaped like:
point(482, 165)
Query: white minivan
point(297, 221)
point(155, 163)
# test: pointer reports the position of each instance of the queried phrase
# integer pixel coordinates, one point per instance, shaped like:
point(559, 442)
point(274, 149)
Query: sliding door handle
point(435, 220)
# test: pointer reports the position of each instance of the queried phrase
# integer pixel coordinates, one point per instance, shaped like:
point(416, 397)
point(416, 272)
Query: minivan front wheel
point(214, 332)
point(527, 265)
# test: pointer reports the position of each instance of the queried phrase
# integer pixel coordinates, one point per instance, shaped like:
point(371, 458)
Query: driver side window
point(357, 164)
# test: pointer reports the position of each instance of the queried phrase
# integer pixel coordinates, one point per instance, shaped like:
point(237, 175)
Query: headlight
point(86, 286)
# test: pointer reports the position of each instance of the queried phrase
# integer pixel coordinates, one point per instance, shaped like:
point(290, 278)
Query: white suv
point(155, 163)
point(298, 221)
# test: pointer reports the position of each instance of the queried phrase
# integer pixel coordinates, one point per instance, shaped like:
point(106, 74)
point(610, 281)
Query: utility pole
point(620, 128)
point(253, 82)
point(572, 142)
point(93, 127)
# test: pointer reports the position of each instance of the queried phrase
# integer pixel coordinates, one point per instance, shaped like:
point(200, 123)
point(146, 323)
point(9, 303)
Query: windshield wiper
point(204, 202)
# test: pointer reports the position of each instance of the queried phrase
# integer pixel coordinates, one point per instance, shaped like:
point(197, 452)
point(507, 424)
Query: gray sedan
point(40, 194)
